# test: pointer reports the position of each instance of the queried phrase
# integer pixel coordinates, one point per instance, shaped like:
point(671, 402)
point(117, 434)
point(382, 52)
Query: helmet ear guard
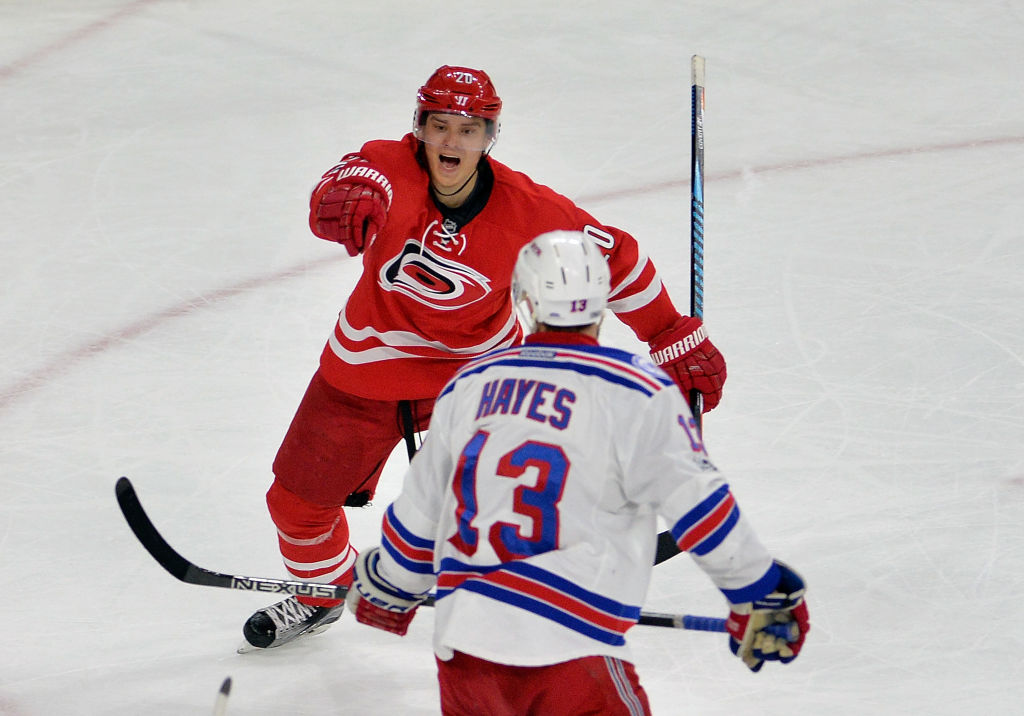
point(561, 279)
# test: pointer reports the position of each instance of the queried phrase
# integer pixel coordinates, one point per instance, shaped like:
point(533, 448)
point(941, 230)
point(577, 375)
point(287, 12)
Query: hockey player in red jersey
point(438, 224)
point(533, 505)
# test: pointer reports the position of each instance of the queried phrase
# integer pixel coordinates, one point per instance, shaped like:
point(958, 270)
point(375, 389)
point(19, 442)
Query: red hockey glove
point(375, 601)
point(350, 204)
point(753, 627)
point(685, 352)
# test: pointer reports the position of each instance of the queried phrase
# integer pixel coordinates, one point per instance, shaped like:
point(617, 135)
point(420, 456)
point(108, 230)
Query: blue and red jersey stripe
point(412, 552)
point(705, 526)
point(543, 593)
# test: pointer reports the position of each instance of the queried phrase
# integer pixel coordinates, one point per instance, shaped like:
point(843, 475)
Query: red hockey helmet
point(458, 90)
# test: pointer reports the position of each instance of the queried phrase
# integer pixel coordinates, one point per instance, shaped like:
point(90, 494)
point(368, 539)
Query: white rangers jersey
point(534, 501)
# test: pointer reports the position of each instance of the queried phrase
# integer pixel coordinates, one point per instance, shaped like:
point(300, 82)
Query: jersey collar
point(559, 338)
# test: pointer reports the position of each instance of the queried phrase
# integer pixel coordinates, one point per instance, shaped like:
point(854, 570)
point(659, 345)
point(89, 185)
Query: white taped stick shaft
point(221, 705)
point(697, 70)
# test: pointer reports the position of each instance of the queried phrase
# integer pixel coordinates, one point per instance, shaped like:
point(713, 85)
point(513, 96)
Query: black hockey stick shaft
point(667, 547)
point(186, 571)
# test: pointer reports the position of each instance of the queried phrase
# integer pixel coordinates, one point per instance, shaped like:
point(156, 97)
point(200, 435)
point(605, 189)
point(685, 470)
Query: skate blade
point(247, 648)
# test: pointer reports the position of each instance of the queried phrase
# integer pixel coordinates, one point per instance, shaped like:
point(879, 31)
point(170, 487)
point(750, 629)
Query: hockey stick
point(185, 571)
point(697, 208)
point(667, 547)
point(220, 706)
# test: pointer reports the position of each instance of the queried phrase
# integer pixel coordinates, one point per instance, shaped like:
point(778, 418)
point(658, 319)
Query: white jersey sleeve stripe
point(642, 259)
point(637, 300)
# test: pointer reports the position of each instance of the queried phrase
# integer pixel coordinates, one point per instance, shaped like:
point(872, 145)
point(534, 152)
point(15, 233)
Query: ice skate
point(286, 621)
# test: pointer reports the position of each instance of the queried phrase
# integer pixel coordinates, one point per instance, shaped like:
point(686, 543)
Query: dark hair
point(563, 329)
point(490, 126)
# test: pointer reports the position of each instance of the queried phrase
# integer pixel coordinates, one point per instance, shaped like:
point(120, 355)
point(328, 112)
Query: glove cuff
point(375, 589)
point(788, 591)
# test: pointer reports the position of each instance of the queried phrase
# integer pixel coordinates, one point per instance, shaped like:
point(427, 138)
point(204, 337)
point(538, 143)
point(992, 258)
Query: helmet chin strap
point(464, 184)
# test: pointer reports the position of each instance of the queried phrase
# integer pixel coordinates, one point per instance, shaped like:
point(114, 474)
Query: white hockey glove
point(375, 601)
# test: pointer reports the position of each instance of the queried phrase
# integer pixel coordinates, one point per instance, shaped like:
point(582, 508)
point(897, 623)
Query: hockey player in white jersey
point(533, 505)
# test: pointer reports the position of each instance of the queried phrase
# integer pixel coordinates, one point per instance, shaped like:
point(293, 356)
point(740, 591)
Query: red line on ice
point(82, 33)
point(69, 359)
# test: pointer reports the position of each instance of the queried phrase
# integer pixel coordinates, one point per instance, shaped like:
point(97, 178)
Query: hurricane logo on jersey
point(433, 280)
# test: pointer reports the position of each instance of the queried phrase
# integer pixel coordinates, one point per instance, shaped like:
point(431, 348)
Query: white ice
point(164, 304)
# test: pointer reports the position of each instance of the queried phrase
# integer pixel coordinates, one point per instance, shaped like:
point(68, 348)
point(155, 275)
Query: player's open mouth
point(448, 162)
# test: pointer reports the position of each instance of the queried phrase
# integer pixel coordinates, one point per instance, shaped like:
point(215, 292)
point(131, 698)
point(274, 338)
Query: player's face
point(453, 145)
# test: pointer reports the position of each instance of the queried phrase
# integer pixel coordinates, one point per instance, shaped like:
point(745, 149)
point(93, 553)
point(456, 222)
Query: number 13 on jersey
point(538, 503)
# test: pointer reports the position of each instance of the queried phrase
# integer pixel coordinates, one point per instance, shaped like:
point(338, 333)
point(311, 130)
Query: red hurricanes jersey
point(434, 296)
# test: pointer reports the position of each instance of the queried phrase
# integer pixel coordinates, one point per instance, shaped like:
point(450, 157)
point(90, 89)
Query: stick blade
point(146, 533)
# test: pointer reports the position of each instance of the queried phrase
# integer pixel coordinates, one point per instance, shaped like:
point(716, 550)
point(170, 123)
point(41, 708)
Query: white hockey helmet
point(561, 278)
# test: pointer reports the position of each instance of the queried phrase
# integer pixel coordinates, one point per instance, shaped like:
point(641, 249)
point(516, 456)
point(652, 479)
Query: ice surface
point(164, 306)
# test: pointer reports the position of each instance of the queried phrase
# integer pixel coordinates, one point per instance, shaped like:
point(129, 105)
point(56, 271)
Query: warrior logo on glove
point(686, 353)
